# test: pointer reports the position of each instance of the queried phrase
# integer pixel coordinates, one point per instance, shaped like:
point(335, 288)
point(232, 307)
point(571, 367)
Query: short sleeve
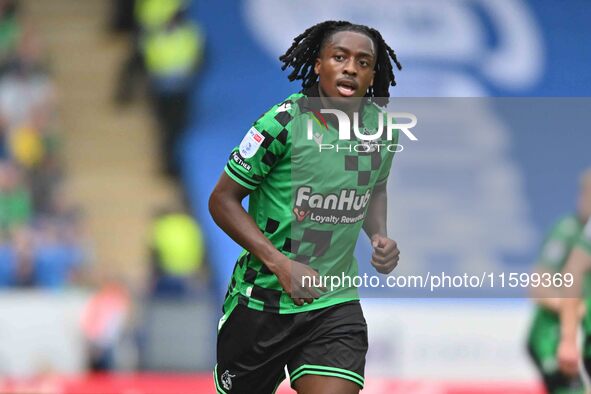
point(553, 253)
point(264, 144)
point(559, 243)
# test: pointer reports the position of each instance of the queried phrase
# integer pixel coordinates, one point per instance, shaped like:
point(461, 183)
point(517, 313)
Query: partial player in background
point(544, 334)
point(578, 264)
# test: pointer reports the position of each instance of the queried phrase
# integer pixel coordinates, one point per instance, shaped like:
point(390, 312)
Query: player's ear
point(372, 77)
point(317, 66)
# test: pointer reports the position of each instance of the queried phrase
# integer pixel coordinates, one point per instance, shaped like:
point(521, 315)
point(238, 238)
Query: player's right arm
point(578, 264)
point(264, 145)
point(225, 206)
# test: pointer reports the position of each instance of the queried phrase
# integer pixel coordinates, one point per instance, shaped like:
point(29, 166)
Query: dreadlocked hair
point(304, 51)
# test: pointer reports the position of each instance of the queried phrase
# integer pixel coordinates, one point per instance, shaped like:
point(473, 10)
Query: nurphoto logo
point(371, 140)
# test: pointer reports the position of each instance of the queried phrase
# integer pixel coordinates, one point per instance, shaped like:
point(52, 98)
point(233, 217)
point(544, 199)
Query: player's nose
point(350, 68)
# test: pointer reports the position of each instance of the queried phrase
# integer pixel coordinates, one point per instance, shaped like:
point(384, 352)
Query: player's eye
point(339, 58)
point(364, 63)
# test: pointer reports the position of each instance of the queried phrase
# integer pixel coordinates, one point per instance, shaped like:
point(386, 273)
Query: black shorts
point(254, 347)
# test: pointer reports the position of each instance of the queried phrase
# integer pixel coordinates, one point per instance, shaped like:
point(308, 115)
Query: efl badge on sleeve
point(250, 143)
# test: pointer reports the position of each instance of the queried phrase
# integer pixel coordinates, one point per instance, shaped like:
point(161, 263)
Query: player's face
point(346, 65)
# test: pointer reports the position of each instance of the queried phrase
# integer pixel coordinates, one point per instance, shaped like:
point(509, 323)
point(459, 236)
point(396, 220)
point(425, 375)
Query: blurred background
point(117, 117)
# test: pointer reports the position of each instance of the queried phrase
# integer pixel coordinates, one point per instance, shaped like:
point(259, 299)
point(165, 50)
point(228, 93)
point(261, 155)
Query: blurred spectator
point(148, 15)
point(10, 29)
point(26, 90)
point(168, 49)
point(152, 15)
point(26, 114)
point(16, 260)
point(7, 263)
point(24, 258)
point(177, 253)
point(57, 262)
point(74, 235)
point(15, 199)
point(41, 244)
point(46, 256)
point(171, 57)
point(104, 323)
point(26, 146)
point(122, 19)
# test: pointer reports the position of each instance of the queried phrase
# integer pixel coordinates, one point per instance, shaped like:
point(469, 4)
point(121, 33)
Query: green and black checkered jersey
point(544, 332)
point(309, 203)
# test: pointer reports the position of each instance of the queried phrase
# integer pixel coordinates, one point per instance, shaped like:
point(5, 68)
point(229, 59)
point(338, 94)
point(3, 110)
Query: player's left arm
point(385, 250)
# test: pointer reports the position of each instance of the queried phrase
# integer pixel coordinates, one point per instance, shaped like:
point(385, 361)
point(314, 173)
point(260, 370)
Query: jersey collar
point(307, 105)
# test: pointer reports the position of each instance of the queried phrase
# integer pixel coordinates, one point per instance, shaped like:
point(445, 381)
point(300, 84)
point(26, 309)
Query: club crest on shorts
point(227, 380)
point(250, 143)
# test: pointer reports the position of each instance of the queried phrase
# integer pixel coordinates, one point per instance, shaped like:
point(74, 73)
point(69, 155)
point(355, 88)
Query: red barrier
point(203, 384)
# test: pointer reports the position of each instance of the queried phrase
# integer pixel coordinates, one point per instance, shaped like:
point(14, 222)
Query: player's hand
point(568, 358)
point(385, 254)
point(291, 276)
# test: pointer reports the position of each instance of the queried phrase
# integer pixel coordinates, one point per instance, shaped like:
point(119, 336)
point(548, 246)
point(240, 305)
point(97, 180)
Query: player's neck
point(354, 104)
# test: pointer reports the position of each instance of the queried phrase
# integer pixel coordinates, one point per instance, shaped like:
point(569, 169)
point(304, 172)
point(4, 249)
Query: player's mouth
point(347, 87)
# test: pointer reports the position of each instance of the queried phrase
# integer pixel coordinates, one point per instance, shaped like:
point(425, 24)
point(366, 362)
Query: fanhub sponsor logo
point(346, 207)
point(371, 140)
